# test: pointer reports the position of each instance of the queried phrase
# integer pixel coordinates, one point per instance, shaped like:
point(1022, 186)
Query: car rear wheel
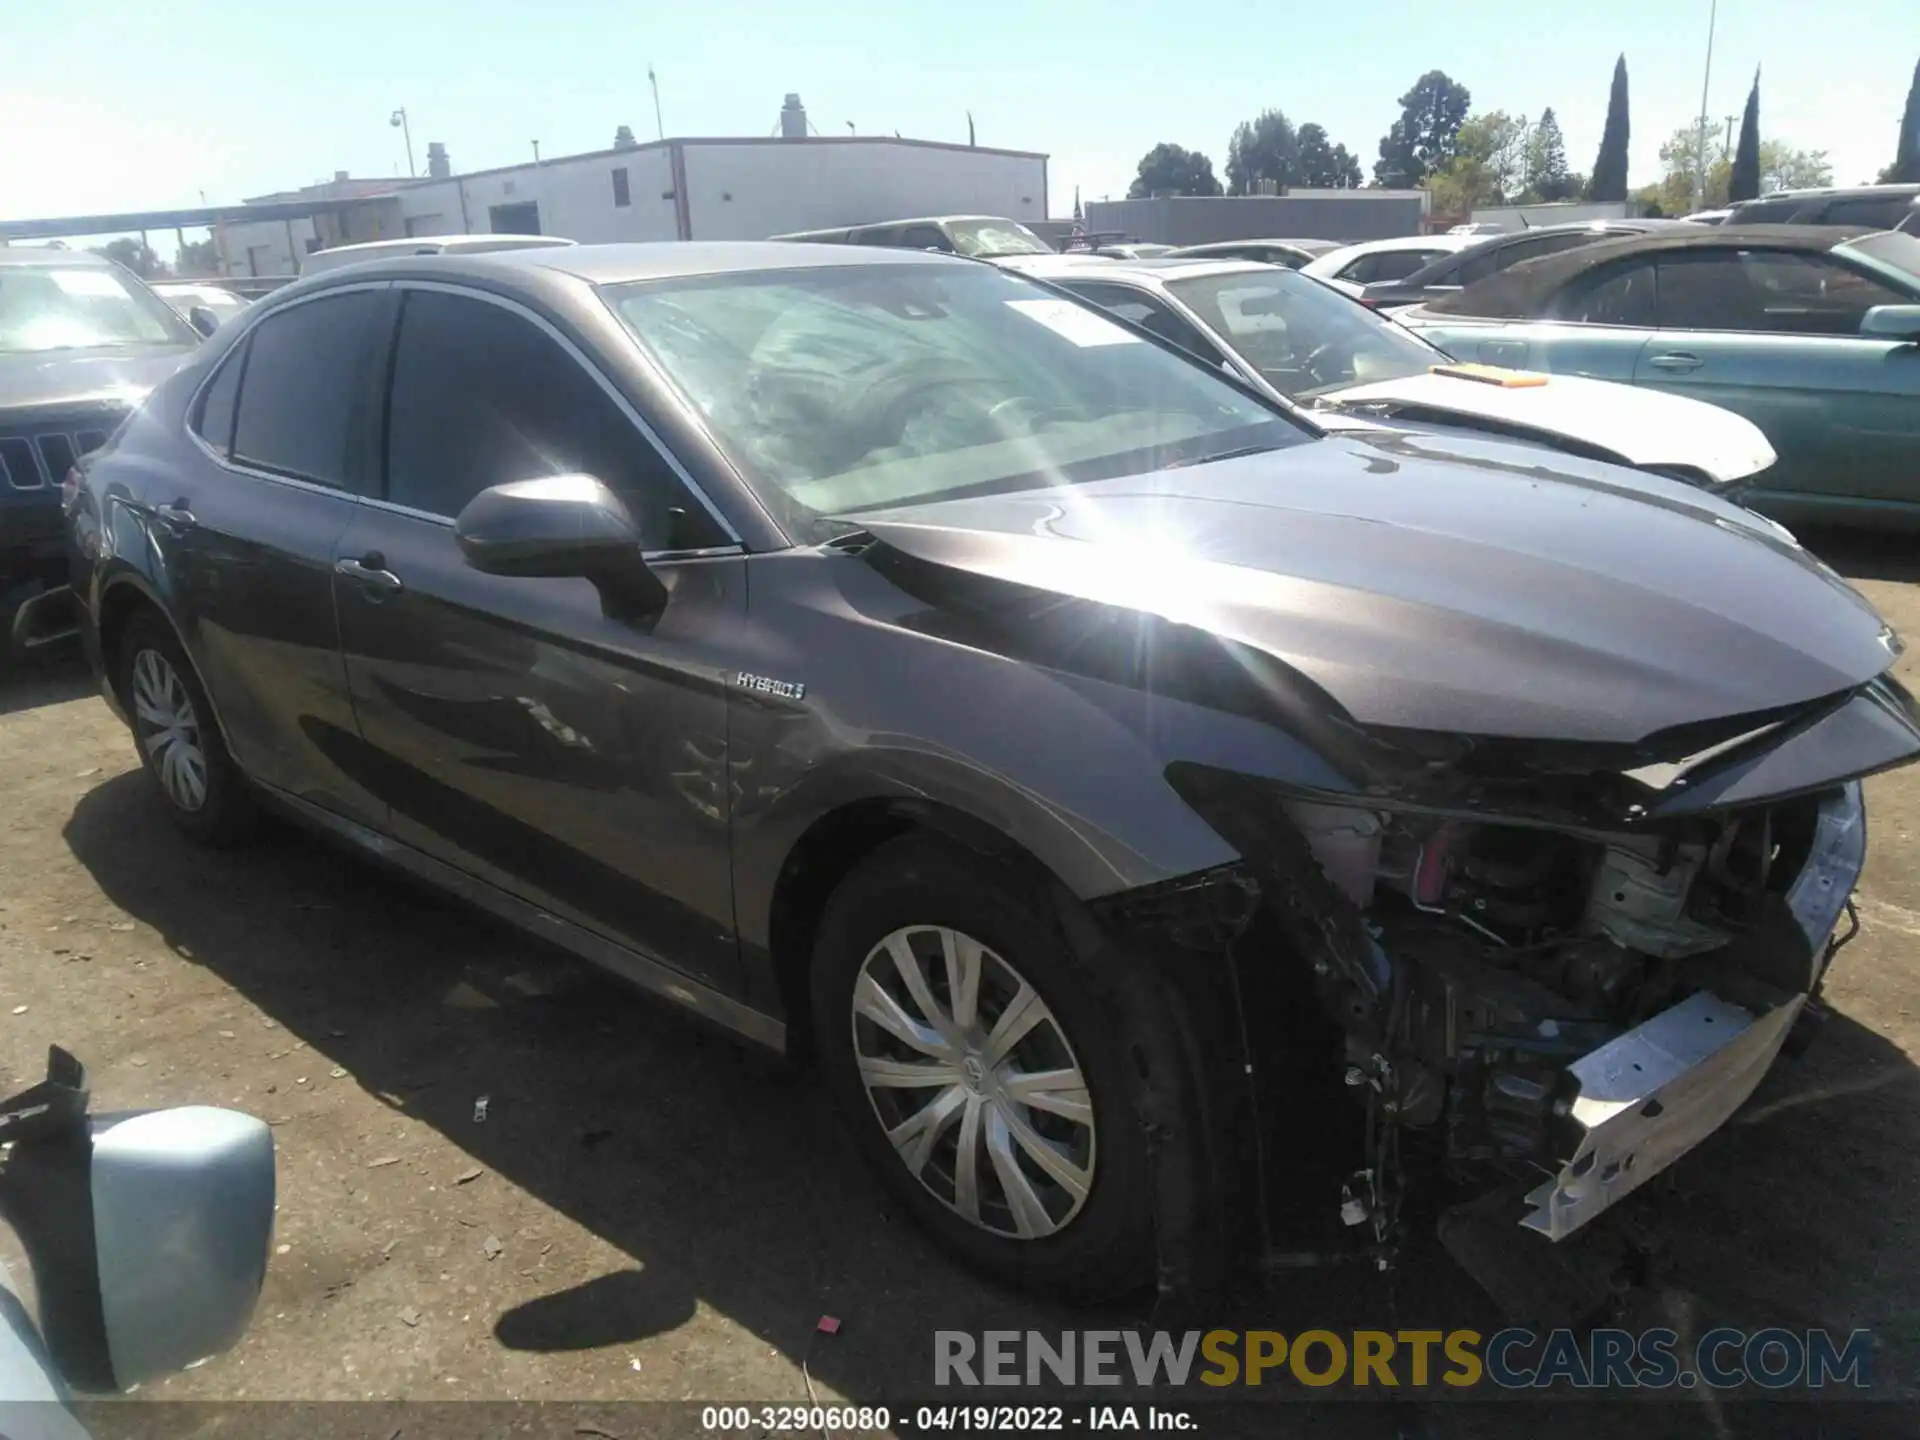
point(180, 745)
point(979, 1067)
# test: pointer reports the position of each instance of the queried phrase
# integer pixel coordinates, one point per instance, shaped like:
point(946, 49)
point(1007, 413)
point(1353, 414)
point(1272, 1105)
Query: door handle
point(175, 515)
point(370, 570)
point(1679, 360)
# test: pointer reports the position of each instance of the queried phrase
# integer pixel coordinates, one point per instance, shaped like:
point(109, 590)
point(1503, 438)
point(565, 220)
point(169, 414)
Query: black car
point(1083, 758)
point(81, 341)
point(1870, 207)
point(1454, 272)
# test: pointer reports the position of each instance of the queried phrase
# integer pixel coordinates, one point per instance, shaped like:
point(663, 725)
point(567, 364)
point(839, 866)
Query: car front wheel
point(977, 1060)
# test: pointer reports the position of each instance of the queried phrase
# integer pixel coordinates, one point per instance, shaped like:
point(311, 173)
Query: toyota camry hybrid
point(1104, 775)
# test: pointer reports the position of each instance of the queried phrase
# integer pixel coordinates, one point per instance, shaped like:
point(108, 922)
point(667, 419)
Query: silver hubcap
point(973, 1080)
point(169, 730)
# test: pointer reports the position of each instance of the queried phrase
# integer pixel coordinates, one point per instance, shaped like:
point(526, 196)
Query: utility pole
point(1706, 78)
point(399, 118)
point(536, 152)
point(659, 125)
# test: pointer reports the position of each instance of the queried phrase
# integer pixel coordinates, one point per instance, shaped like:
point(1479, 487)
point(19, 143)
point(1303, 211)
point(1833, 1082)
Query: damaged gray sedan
point(1112, 780)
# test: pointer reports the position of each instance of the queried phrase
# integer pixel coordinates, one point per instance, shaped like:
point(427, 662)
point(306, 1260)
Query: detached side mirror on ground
point(1892, 322)
point(147, 1232)
point(203, 319)
point(561, 526)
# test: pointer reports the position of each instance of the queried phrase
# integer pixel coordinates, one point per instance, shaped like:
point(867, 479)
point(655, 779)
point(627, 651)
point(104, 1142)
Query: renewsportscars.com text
point(1514, 1359)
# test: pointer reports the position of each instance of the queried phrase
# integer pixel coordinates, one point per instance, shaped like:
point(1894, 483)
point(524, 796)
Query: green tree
point(135, 256)
point(1743, 181)
point(1264, 151)
point(1547, 178)
point(1324, 165)
point(1169, 169)
point(1784, 168)
point(198, 257)
point(1489, 165)
point(1423, 140)
point(1905, 169)
point(1609, 180)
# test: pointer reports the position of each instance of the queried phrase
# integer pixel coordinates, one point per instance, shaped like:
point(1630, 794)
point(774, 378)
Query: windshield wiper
point(1234, 454)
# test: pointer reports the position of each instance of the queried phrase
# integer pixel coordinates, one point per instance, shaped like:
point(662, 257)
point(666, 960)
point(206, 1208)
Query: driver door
point(517, 732)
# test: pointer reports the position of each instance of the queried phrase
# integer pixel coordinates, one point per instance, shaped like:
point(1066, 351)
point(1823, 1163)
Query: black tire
point(225, 813)
point(1106, 1247)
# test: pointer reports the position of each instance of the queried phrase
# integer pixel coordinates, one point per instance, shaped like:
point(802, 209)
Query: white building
point(676, 189)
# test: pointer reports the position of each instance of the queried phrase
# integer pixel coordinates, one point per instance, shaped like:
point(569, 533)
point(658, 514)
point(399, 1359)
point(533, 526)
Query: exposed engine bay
point(1568, 1011)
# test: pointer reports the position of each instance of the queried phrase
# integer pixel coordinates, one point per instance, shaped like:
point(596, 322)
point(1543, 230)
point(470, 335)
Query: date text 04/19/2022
point(992, 1419)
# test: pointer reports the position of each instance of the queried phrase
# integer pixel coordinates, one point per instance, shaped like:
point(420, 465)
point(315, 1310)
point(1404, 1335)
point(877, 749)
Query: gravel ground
point(650, 1213)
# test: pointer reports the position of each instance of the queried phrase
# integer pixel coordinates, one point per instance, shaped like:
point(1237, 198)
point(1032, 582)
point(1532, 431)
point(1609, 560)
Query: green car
point(1812, 333)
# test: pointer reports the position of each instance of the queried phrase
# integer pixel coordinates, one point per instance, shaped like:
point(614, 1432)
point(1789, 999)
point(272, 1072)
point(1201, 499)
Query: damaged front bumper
point(1649, 1096)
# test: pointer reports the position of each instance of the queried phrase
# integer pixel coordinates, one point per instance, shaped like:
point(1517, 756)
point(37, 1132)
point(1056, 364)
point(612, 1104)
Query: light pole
point(399, 118)
point(1700, 148)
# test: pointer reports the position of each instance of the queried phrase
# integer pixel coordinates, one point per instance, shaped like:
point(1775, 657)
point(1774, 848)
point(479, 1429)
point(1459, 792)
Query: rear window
point(1765, 212)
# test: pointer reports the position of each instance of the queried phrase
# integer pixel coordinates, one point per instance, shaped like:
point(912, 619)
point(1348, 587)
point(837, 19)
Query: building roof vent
point(439, 167)
point(623, 138)
point(793, 119)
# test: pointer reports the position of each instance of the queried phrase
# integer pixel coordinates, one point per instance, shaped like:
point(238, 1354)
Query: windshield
point(56, 308)
point(1892, 250)
point(981, 238)
point(1303, 337)
point(852, 388)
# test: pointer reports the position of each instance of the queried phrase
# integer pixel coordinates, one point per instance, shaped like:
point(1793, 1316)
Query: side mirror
point(203, 319)
point(1892, 322)
point(147, 1233)
point(560, 526)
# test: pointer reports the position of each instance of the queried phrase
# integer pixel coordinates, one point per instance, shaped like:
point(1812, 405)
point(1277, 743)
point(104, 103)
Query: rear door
point(248, 538)
point(1596, 327)
point(1775, 335)
point(519, 733)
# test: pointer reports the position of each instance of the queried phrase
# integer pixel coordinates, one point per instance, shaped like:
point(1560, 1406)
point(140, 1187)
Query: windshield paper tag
point(1074, 322)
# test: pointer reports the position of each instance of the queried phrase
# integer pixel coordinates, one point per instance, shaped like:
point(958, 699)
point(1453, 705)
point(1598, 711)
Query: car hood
point(1442, 582)
point(55, 378)
point(1635, 426)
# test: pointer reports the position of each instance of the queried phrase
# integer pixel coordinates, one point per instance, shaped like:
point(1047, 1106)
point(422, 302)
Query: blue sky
point(147, 105)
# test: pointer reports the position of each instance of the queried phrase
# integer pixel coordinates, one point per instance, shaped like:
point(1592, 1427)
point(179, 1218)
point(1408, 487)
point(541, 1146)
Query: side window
point(213, 422)
point(1882, 212)
point(877, 235)
point(1616, 295)
point(1499, 257)
point(1360, 271)
point(925, 237)
point(1764, 212)
point(305, 376)
point(1774, 291)
point(1150, 315)
point(481, 396)
point(1399, 264)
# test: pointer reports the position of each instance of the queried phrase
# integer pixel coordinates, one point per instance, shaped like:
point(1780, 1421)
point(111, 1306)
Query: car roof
point(24, 256)
point(1153, 271)
point(616, 264)
point(1291, 243)
point(1519, 289)
point(1838, 192)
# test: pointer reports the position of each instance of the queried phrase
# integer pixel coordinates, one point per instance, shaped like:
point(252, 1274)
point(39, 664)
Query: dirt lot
point(649, 1212)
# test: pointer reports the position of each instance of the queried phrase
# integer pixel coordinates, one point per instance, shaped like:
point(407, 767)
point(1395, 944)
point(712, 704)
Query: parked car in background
point(1813, 333)
point(81, 342)
point(1352, 268)
point(1290, 253)
point(185, 296)
point(321, 261)
point(979, 237)
point(1304, 342)
point(1871, 207)
point(888, 657)
point(1450, 273)
point(1132, 250)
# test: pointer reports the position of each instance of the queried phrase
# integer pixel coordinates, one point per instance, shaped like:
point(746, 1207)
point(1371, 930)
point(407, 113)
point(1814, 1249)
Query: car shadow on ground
point(1866, 554)
point(726, 1179)
point(49, 679)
